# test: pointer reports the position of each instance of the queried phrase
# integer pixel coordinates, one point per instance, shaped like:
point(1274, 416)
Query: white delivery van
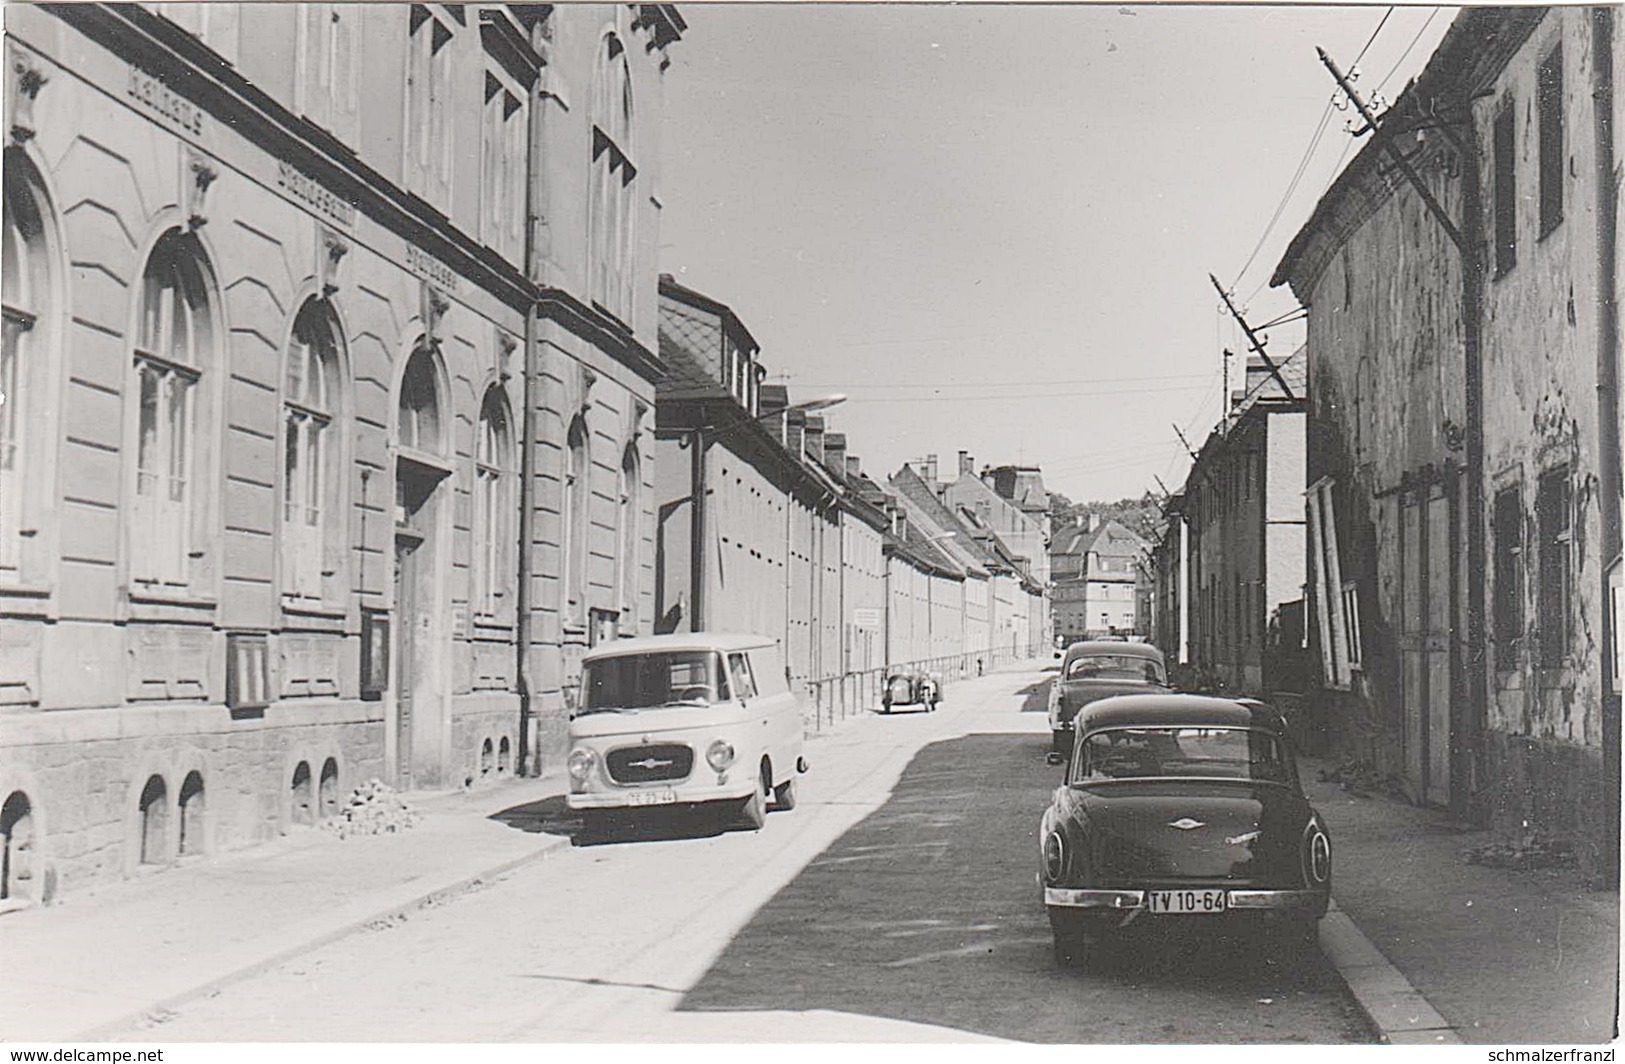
point(700, 717)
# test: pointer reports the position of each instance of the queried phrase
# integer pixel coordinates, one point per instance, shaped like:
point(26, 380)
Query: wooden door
point(1440, 554)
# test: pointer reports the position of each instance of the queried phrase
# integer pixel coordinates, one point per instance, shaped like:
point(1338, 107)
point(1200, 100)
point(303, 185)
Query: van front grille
point(650, 763)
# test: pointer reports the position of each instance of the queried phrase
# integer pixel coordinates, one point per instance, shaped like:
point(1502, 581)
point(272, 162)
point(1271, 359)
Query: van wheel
point(784, 795)
point(753, 810)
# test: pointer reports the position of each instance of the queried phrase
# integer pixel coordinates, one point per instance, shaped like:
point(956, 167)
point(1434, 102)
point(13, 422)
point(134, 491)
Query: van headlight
point(579, 764)
point(719, 755)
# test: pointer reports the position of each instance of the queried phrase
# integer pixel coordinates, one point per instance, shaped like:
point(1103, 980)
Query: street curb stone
point(1398, 1012)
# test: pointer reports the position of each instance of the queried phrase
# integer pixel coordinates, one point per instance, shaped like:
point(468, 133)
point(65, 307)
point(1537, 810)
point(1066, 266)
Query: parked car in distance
point(1182, 807)
point(702, 717)
point(910, 687)
point(1100, 668)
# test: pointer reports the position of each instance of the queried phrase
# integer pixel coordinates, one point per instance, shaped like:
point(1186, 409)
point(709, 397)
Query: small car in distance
point(910, 687)
point(1100, 668)
point(1182, 808)
point(681, 719)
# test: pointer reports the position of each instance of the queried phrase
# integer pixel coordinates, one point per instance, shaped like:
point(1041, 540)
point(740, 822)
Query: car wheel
point(753, 810)
point(784, 795)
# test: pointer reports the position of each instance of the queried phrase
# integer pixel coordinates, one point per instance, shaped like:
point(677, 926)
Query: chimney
point(967, 464)
point(770, 400)
point(812, 440)
point(794, 431)
point(835, 453)
point(854, 467)
point(1092, 520)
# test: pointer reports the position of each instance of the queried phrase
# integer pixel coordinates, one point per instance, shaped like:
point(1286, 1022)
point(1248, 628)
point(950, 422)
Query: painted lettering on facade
point(307, 189)
point(430, 268)
point(164, 101)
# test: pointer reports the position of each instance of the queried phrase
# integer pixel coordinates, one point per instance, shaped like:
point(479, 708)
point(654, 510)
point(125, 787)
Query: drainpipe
point(696, 549)
point(1469, 714)
point(1603, 58)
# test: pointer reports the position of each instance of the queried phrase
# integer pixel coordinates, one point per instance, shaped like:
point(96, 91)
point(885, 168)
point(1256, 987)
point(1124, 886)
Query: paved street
point(896, 903)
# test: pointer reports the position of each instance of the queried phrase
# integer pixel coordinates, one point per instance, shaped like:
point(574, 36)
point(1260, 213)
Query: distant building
point(1097, 570)
point(1241, 512)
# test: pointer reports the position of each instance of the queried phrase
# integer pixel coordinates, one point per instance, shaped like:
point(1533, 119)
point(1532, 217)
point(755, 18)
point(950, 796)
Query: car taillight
point(1317, 856)
point(1054, 857)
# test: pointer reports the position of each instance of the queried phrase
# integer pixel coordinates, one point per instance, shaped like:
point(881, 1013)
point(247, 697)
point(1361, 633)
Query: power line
point(1303, 164)
point(1402, 56)
point(1007, 383)
point(1049, 394)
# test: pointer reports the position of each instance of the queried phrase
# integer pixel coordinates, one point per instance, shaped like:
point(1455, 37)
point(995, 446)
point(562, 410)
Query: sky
point(991, 226)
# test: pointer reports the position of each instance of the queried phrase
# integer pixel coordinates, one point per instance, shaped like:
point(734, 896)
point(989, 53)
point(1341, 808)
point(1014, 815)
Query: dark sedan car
point(1100, 668)
point(1182, 808)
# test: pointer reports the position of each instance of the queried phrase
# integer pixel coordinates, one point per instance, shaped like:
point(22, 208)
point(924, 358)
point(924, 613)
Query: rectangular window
point(162, 503)
point(1505, 198)
point(329, 82)
point(1552, 505)
point(1550, 100)
point(1507, 612)
point(428, 102)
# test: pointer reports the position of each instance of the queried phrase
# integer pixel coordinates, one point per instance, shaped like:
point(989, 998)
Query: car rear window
point(1115, 667)
point(644, 681)
point(1191, 753)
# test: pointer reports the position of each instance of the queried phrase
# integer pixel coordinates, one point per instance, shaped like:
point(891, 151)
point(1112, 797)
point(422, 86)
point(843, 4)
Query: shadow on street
point(1035, 696)
point(551, 816)
point(928, 911)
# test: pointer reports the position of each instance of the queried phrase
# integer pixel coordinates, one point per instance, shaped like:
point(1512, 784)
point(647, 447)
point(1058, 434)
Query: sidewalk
point(1505, 956)
point(106, 957)
point(115, 953)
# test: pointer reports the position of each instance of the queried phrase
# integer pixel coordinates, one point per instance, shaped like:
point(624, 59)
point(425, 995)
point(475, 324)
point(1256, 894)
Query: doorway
point(1427, 552)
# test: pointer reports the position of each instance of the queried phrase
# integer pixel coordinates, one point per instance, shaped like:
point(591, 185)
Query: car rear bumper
point(1281, 901)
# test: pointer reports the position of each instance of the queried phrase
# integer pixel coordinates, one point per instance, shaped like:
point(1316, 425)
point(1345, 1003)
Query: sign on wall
point(865, 617)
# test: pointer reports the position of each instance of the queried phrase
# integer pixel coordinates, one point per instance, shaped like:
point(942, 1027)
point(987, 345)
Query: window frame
point(1504, 186)
point(1511, 557)
point(1555, 560)
point(494, 538)
point(170, 542)
point(1551, 143)
point(312, 556)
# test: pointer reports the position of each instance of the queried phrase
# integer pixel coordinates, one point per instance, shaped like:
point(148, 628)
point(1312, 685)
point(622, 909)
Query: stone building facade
point(1464, 476)
point(270, 332)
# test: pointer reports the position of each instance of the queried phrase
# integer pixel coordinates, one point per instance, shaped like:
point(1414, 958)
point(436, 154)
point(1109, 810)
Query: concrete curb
point(251, 958)
point(1398, 1011)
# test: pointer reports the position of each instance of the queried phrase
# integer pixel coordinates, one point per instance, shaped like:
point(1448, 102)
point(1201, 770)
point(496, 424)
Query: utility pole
point(1468, 707)
point(1188, 449)
point(1252, 339)
point(1224, 365)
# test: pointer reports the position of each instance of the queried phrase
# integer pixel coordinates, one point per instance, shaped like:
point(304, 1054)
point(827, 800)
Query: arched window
point(493, 534)
point(611, 207)
point(418, 425)
point(629, 559)
point(24, 292)
point(312, 514)
point(574, 523)
point(175, 343)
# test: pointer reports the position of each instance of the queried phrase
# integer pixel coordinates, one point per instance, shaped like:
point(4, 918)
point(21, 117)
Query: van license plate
point(663, 797)
point(1186, 901)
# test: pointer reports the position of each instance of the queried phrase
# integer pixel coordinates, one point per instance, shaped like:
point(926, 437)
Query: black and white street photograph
point(753, 524)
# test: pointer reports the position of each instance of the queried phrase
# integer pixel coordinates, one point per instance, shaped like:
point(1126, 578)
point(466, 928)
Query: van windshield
point(645, 681)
